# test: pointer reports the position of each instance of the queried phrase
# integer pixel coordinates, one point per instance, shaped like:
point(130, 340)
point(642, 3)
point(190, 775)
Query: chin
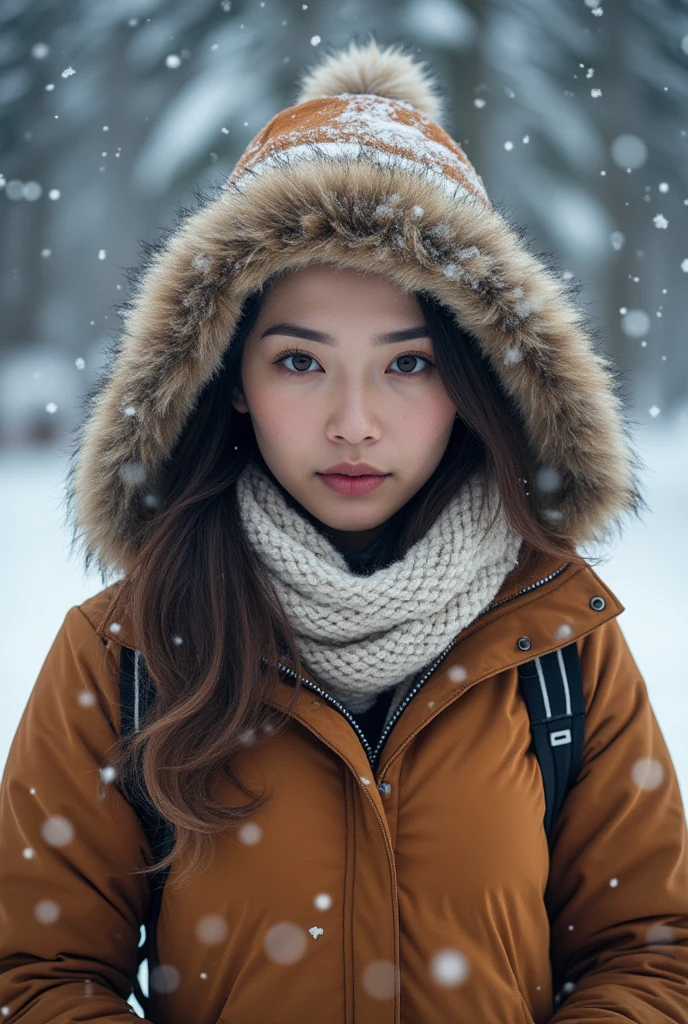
point(352, 519)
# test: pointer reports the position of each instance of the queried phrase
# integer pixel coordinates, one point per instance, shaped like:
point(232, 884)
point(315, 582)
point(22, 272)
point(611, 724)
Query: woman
point(341, 460)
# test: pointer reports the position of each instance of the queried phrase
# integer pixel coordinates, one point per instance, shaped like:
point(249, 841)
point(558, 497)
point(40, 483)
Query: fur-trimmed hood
point(358, 175)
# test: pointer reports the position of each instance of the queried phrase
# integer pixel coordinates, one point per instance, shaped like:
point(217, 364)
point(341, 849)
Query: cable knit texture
point(359, 635)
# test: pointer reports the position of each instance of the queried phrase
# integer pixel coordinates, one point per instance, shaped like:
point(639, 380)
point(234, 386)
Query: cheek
point(280, 422)
point(430, 423)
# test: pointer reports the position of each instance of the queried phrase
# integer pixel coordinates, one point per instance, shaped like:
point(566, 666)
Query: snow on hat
point(358, 173)
point(334, 119)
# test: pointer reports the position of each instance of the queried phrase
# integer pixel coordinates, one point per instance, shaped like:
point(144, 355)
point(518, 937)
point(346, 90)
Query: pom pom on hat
point(389, 72)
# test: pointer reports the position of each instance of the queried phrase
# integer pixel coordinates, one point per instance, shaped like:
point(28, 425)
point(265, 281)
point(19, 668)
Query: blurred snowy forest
point(575, 113)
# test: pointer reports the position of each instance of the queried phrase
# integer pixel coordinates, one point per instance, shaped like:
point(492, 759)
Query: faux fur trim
point(365, 68)
point(389, 219)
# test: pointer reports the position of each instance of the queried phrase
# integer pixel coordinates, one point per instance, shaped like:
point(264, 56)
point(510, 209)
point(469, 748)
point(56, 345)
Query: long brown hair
point(211, 626)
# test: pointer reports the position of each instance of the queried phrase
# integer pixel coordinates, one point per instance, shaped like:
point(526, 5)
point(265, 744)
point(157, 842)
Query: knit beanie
point(359, 173)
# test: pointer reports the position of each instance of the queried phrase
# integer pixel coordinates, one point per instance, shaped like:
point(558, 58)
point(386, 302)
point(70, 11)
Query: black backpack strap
point(136, 696)
point(552, 686)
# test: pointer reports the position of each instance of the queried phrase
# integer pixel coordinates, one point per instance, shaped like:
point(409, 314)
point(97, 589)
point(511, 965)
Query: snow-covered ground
point(647, 572)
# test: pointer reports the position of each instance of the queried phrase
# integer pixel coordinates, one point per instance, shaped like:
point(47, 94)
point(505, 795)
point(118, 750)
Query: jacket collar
point(552, 608)
point(518, 602)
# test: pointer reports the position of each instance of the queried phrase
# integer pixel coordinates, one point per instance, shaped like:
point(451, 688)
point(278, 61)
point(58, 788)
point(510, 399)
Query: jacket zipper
point(373, 755)
point(335, 703)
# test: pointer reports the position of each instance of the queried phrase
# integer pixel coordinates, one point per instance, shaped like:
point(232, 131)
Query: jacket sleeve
point(617, 895)
point(70, 911)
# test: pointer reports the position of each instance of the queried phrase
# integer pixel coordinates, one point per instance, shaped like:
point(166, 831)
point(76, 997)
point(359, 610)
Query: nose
point(353, 417)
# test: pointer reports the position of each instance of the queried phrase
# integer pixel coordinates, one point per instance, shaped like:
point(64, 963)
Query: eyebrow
point(389, 338)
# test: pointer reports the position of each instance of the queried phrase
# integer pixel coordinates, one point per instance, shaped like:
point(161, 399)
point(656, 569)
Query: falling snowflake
point(635, 323)
point(595, 93)
point(323, 901)
point(629, 151)
point(164, 978)
point(212, 929)
point(479, 102)
point(47, 911)
point(101, 254)
point(285, 943)
point(660, 221)
point(315, 40)
point(316, 931)
point(51, 407)
point(173, 61)
point(57, 830)
point(449, 968)
point(250, 833)
point(684, 266)
point(379, 978)
point(654, 411)
point(68, 72)
point(647, 773)
point(548, 479)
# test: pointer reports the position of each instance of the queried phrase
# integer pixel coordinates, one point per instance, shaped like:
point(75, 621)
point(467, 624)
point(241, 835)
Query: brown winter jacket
point(423, 892)
point(450, 855)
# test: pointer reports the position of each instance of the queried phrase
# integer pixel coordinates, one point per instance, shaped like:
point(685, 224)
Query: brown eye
point(300, 362)
point(410, 364)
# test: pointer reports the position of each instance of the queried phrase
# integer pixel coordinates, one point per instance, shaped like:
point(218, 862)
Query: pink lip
point(344, 483)
point(354, 469)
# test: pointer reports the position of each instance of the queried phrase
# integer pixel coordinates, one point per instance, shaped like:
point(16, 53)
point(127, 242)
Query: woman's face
point(338, 377)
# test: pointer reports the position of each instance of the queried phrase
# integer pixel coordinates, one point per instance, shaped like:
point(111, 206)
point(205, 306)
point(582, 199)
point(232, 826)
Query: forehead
point(338, 294)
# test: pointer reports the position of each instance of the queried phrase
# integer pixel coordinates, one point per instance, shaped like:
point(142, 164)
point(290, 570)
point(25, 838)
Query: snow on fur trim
point(366, 68)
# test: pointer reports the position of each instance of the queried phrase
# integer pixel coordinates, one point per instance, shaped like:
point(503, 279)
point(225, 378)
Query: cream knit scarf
point(359, 635)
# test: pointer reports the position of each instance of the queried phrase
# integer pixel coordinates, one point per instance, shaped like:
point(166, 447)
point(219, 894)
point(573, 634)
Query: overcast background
point(574, 113)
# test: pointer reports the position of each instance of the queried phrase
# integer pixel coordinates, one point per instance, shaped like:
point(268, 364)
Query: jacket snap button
point(597, 603)
point(524, 643)
point(385, 788)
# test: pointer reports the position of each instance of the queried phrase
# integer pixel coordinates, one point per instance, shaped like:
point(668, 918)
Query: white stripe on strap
point(543, 688)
